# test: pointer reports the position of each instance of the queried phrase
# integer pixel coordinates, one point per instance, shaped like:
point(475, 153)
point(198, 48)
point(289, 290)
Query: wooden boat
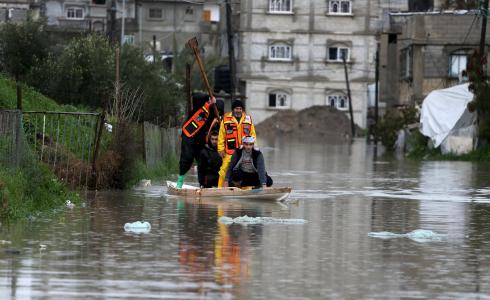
point(267, 194)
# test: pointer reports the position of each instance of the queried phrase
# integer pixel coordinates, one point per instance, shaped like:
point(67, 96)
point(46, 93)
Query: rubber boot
point(180, 181)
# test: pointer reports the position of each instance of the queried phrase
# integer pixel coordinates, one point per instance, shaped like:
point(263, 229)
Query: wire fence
point(65, 142)
point(13, 146)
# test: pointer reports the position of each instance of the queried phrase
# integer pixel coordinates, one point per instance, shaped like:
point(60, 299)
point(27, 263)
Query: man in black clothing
point(209, 163)
point(191, 146)
point(247, 167)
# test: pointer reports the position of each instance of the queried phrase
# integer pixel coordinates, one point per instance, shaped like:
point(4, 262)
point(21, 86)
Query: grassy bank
point(420, 151)
point(27, 191)
point(31, 99)
point(158, 172)
point(31, 188)
point(481, 154)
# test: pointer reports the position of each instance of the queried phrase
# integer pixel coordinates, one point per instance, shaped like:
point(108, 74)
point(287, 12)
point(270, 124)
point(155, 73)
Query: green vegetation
point(32, 100)
point(392, 122)
point(31, 189)
point(159, 172)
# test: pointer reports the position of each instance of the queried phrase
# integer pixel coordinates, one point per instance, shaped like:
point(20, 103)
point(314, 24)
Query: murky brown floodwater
point(339, 190)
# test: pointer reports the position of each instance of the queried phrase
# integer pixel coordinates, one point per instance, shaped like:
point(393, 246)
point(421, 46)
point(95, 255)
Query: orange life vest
point(232, 138)
point(197, 121)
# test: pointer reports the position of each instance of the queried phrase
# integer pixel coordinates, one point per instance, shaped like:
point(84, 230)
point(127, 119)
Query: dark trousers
point(240, 178)
point(211, 180)
point(189, 150)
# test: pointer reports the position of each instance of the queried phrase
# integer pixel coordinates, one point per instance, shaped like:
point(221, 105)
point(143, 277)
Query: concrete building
point(424, 51)
point(290, 53)
point(76, 15)
point(17, 10)
point(173, 23)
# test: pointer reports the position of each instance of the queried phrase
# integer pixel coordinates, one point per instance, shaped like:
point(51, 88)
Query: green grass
point(28, 191)
point(31, 99)
point(159, 172)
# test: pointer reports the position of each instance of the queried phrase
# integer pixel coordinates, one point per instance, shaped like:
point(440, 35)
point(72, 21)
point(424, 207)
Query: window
point(129, 39)
point(406, 63)
point(189, 14)
point(155, 13)
point(457, 62)
point(280, 6)
point(278, 100)
point(74, 13)
point(340, 7)
point(337, 53)
point(280, 52)
point(338, 101)
point(99, 2)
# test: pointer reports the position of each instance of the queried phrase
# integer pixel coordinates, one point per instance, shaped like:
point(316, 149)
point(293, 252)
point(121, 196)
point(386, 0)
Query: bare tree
point(126, 103)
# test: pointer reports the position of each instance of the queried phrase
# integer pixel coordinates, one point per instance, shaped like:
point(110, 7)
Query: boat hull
point(267, 194)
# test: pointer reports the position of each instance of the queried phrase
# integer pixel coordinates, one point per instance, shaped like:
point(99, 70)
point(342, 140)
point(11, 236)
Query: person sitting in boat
point(209, 163)
point(247, 167)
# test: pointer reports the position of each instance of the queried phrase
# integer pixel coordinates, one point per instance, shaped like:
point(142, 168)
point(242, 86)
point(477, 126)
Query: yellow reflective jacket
point(231, 132)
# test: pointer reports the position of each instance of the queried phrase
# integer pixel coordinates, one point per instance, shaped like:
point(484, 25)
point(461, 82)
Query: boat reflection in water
point(228, 258)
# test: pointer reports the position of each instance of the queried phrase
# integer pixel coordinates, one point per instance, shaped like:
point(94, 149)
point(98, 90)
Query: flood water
point(340, 190)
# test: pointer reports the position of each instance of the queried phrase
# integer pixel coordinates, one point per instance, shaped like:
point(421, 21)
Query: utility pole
point(112, 24)
point(231, 50)
point(484, 12)
point(123, 14)
point(376, 95)
point(353, 127)
point(154, 48)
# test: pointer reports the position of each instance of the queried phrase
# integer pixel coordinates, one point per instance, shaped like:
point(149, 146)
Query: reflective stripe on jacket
point(197, 121)
point(231, 132)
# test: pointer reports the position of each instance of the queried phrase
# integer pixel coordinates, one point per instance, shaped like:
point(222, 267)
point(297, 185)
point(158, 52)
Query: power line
point(471, 27)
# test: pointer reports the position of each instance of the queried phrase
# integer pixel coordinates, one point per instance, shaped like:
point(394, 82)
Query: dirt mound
point(313, 123)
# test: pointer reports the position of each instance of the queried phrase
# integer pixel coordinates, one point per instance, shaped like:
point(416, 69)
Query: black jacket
point(257, 160)
point(209, 164)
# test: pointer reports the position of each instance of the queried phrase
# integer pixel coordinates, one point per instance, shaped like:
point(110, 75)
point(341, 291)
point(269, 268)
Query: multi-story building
point(76, 15)
point(17, 10)
point(291, 53)
point(173, 23)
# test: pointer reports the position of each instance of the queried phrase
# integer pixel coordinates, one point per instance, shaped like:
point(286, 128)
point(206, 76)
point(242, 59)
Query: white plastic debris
point(4, 242)
point(108, 127)
point(69, 205)
point(244, 220)
point(145, 183)
point(418, 235)
point(137, 227)
point(42, 247)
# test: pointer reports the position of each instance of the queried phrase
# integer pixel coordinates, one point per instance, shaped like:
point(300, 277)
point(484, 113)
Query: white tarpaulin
point(444, 111)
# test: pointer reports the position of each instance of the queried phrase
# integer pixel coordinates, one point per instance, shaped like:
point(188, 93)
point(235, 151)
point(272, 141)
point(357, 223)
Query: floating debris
point(418, 235)
point(145, 183)
point(137, 227)
point(244, 220)
point(69, 205)
point(4, 242)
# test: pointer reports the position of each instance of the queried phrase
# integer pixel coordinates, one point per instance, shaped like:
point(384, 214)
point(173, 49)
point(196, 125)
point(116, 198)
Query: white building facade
point(290, 53)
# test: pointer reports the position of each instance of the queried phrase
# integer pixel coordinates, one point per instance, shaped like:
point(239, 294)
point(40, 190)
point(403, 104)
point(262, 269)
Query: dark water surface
point(340, 190)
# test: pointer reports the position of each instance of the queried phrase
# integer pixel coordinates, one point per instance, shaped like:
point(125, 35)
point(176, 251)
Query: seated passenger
point(247, 167)
point(209, 163)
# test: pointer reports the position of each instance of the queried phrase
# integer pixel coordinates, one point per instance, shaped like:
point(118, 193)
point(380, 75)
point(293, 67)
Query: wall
point(308, 77)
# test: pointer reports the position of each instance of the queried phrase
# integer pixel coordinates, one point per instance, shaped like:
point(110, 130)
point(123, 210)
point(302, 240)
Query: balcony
point(73, 25)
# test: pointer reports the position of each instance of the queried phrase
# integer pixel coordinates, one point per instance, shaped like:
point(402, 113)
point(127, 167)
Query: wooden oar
point(192, 43)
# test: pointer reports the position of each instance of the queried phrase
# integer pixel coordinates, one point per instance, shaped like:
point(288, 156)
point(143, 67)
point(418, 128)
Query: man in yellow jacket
point(235, 125)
